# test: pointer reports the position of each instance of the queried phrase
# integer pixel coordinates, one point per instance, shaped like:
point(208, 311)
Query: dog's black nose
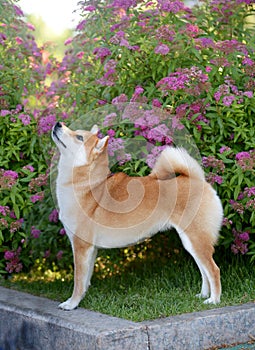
point(58, 125)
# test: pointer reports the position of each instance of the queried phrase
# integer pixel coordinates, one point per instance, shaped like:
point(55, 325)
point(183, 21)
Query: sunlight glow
point(57, 14)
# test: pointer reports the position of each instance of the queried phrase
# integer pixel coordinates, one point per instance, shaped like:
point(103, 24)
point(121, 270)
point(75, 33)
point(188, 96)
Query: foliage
point(23, 152)
point(195, 64)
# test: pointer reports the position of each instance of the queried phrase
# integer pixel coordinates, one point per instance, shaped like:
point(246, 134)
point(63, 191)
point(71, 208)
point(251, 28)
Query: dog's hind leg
point(84, 259)
point(202, 252)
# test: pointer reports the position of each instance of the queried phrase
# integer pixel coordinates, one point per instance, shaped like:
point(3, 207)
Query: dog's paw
point(68, 305)
point(211, 301)
point(202, 295)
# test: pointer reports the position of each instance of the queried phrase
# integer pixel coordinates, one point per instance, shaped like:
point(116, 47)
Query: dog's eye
point(79, 137)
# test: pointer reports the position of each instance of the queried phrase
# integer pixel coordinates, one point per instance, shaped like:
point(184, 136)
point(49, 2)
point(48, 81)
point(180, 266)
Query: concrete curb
point(28, 322)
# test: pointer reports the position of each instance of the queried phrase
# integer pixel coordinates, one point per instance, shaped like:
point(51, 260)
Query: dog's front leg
point(84, 259)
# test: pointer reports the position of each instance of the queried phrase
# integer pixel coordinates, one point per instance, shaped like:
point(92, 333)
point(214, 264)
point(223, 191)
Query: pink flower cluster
point(229, 93)
point(8, 178)
point(15, 113)
point(110, 76)
point(246, 160)
point(245, 201)
point(173, 6)
point(192, 80)
point(217, 167)
point(240, 244)
point(13, 263)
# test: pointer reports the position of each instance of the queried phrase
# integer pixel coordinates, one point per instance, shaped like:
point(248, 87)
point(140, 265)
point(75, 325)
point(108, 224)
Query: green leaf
point(16, 210)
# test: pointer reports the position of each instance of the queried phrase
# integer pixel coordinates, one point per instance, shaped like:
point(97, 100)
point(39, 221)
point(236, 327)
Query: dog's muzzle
point(56, 130)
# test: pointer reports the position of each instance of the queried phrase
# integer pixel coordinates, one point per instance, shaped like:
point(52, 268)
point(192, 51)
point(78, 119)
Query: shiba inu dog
point(103, 210)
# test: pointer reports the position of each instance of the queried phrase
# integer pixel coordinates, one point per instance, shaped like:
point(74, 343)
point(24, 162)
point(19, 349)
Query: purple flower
point(138, 91)
point(159, 134)
point(81, 25)
point(102, 53)
point(13, 215)
point(226, 222)
point(248, 94)
point(156, 103)
point(35, 232)
point(37, 197)
point(239, 246)
point(59, 255)
point(250, 191)
point(68, 41)
point(162, 49)
point(120, 99)
point(123, 4)
point(246, 160)
point(3, 37)
point(173, 6)
point(18, 11)
point(9, 255)
point(89, 8)
point(53, 217)
point(19, 40)
point(152, 157)
point(242, 155)
point(102, 102)
point(11, 174)
point(214, 178)
point(4, 210)
point(110, 119)
point(46, 123)
point(14, 266)
point(122, 159)
point(25, 119)
point(244, 236)
point(147, 121)
point(80, 54)
point(224, 149)
point(176, 124)
point(62, 232)
point(248, 61)
point(29, 167)
point(3, 223)
point(174, 82)
point(31, 26)
point(111, 132)
point(4, 112)
point(115, 145)
point(228, 100)
point(165, 32)
point(108, 79)
point(238, 207)
point(16, 225)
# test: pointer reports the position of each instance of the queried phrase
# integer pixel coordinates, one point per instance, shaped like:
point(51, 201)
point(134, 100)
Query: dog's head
point(78, 147)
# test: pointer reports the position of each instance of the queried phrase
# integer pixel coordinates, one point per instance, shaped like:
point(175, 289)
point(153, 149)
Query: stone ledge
point(28, 322)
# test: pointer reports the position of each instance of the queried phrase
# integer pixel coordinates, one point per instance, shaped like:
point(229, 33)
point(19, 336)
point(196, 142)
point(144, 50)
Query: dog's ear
point(94, 130)
point(101, 145)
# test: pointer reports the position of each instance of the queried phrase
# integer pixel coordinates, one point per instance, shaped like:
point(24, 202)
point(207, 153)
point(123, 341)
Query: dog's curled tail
point(176, 161)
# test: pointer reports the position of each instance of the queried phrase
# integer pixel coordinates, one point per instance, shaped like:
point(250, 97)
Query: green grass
point(151, 289)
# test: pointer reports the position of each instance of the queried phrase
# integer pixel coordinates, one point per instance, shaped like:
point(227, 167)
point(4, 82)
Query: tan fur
point(100, 210)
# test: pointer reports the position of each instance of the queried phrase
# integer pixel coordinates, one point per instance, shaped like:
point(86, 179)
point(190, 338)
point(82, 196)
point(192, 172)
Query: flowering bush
point(197, 65)
point(23, 157)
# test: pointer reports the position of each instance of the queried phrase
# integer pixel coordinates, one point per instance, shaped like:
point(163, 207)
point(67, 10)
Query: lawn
point(147, 289)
